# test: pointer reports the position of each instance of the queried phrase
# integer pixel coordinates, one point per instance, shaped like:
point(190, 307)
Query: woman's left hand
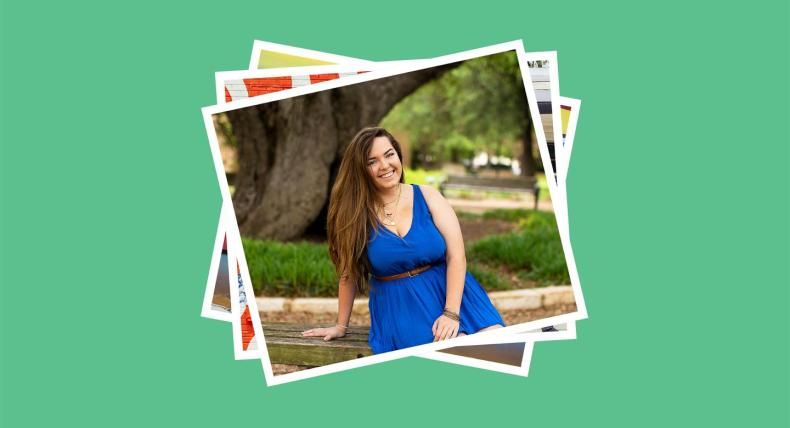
point(445, 328)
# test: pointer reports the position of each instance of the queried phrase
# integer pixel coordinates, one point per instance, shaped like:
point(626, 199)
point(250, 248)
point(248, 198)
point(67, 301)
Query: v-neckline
point(413, 213)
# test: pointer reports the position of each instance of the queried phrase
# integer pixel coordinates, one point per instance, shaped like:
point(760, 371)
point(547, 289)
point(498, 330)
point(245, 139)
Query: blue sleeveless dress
point(402, 311)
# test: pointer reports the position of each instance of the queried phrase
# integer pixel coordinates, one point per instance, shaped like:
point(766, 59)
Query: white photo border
point(575, 105)
point(480, 337)
point(207, 310)
point(221, 79)
point(260, 45)
point(529, 340)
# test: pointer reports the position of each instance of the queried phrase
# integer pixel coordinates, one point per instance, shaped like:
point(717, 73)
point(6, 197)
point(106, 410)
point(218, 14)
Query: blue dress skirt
point(402, 311)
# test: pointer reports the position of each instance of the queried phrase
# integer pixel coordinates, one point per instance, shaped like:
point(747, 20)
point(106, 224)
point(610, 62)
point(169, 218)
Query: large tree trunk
point(528, 163)
point(289, 150)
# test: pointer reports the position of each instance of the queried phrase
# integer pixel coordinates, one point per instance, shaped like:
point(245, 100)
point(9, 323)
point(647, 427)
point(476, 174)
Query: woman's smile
point(384, 164)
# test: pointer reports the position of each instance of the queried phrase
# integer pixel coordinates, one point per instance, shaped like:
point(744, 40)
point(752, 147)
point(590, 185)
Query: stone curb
point(535, 298)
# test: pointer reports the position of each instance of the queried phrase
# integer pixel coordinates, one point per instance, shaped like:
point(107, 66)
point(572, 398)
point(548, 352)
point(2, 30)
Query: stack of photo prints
point(378, 210)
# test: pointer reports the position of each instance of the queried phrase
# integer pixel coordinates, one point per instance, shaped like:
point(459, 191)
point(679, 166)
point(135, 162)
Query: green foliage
point(534, 252)
point(488, 277)
point(543, 186)
point(532, 255)
point(479, 195)
point(224, 130)
point(519, 196)
point(477, 106)
point(422, 176)
point(290, 269)
point(525, 218)
point(466, 215)
point(521, 216)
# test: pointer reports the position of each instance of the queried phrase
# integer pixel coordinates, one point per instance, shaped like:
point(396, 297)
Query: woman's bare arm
point(447, 222)
point(346, 292)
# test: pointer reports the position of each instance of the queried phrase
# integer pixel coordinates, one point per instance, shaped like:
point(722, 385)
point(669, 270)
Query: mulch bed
point(478, 228)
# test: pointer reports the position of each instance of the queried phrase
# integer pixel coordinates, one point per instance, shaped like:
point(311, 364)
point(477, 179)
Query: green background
point(678, 192)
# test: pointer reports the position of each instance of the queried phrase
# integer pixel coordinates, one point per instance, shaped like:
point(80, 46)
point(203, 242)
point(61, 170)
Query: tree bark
point(289, 150)
point(528, 163)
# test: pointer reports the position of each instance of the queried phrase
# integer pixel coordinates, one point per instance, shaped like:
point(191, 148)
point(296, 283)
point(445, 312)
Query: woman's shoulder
point(433, 198)
point(428, 192)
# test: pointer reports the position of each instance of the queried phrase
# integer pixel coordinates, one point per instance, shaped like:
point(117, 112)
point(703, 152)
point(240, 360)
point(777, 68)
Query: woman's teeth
point(388, 175)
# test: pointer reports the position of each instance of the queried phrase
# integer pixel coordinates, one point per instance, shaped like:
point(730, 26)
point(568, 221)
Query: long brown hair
point(352, 208)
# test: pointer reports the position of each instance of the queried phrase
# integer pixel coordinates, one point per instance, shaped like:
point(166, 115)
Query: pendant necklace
point(389, 218)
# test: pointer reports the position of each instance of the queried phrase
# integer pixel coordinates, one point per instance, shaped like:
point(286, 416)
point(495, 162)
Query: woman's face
point(384, 166)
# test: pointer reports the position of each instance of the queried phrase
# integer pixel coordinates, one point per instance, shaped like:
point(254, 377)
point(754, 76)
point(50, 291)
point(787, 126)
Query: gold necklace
point(389, 216)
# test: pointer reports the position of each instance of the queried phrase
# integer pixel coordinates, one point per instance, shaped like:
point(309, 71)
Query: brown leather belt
point(407, 274)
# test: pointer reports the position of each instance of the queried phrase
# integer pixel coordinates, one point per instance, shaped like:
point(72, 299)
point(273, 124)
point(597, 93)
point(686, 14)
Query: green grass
point(422, 176)
point(488, 277)
point(479, 195)
point(529, 257)
point(516, 196)
point(435, 176)
point(523, 217)
point(290, 269)
point(520, 215)
point(534, 252)
point(543, 186)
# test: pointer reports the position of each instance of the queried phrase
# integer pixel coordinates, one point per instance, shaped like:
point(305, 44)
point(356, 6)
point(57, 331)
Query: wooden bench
point(492, 184)
point(287, 346)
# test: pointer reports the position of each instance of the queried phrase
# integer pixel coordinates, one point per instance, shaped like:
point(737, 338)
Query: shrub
point(522, 216)
point(488, 277)
point(536, 252)
point(532, 254)
point(290, 268)
point(422, 176)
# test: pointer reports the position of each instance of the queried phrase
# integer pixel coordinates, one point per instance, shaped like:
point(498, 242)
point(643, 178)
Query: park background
point(677, 190)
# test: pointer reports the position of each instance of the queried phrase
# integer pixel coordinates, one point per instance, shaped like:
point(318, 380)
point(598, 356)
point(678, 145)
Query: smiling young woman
point(403, 244)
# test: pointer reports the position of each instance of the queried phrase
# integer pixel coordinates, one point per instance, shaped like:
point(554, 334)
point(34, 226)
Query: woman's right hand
point(328, 333)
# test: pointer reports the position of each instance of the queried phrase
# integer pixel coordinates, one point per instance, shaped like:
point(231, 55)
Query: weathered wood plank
point(299, 328)
point(286, 345)
point(342, 342)
point(274, 336)
point(269, 333)
point(301, 354)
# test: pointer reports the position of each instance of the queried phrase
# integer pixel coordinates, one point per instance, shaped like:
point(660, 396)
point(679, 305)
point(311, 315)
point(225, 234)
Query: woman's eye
point(389, 155)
